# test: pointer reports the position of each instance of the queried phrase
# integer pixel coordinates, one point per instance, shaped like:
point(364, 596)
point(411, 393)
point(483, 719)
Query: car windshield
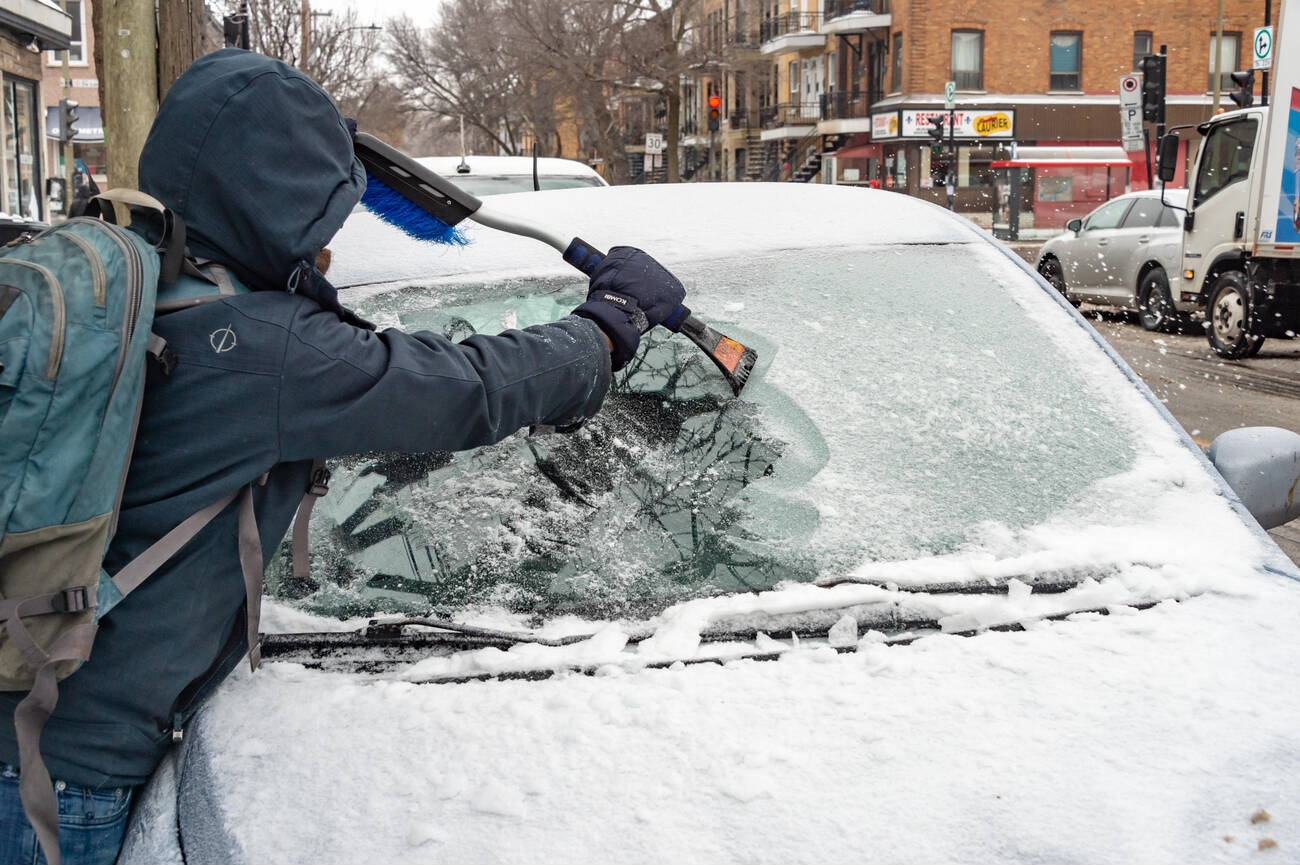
point(888, 420)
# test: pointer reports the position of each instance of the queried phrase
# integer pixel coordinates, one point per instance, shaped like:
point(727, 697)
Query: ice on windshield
point(909, 404)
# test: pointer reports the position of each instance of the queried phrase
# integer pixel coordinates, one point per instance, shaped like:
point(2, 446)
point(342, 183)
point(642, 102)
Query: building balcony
point(788, 120)
point(846, 105)
point(856, 16)
point(792, 31)
point(741, 39)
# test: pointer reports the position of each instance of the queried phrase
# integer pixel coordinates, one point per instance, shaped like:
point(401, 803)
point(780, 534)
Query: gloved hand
point(631, 293)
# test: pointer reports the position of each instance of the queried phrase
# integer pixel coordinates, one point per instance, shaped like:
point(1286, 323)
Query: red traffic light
point(715, 101)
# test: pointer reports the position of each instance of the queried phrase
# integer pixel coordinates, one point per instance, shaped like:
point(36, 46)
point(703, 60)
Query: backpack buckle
point(320, 482)
point(166, 360)
point(75, 599)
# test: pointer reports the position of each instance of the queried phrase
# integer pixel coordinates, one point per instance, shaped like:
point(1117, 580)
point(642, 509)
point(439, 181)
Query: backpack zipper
point(59, 326)
point(97, 275)
point(134, 292)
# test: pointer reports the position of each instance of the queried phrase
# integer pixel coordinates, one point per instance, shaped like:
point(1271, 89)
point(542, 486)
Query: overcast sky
point(376, 11)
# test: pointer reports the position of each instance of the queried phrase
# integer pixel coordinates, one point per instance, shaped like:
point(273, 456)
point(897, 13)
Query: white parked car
point(944, 583)
point(493, 175)
point(1121, 255)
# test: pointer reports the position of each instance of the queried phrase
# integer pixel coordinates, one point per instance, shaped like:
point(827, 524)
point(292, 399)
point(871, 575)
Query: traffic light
point(1153, 88)
point(67, 119)
point(1244, 95)
point(715, 106)
point(936, 128)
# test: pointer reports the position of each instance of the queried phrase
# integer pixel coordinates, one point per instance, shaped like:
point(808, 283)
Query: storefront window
point(20, 181)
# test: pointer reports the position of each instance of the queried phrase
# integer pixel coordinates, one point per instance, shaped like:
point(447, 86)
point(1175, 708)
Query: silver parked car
point(944, 583)
point(1121, 255)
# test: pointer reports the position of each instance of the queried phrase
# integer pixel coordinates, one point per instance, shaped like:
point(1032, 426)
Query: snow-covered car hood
point(1013, 616)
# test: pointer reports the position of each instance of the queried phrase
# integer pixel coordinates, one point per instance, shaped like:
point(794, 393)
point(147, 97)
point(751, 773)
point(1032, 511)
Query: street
point(1207, 394)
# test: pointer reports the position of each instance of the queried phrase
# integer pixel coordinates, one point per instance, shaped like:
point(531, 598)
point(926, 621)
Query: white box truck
point(1241, 233)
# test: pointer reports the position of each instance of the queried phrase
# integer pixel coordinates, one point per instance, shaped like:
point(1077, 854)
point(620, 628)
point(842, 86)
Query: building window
point(896, 64)
point(1142, 42)
point(1065, 59)
point(794, 80)
point(1228, 54)
point(77, 53)
point(968, 59)
point(20, 162)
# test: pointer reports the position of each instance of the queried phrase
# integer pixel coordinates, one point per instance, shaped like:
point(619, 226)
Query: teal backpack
point(77, 305)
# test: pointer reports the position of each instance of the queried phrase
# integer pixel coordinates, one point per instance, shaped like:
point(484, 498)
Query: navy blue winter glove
point(631, 293)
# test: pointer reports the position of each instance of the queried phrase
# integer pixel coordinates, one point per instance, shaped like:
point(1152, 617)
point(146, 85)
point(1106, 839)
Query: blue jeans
point(92, 823)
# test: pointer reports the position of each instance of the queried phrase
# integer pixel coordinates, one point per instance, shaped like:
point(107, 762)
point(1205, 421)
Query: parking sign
point(1130, 112)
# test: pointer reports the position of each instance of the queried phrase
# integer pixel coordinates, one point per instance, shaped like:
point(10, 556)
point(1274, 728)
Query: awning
point(860, 151)
point(89, 126)
point(1065, 157)
point(40, 20)
point(1059, 163)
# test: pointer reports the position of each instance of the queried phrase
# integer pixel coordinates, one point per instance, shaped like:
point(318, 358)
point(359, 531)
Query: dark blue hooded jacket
point(256, 159)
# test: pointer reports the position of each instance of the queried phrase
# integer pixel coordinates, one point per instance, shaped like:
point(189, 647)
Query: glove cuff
point(618, 325)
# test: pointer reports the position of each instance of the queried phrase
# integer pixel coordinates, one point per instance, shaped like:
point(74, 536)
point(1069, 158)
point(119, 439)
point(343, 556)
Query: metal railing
point(838, 8)
point(789, 114)
point(737, 38)
point(787, 23)
point(846, 105)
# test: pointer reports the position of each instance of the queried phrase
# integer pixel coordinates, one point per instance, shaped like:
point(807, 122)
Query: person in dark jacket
point(256, 159)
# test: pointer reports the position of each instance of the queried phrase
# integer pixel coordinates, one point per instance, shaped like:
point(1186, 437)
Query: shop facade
point(27, 29)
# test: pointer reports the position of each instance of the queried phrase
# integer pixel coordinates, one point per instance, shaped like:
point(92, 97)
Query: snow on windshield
point(920, 404)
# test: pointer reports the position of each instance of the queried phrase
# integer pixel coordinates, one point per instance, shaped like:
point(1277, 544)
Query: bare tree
point(574, 45)
point(657, 50)
point(464, 69)
point(516, 67)
point(340, 50)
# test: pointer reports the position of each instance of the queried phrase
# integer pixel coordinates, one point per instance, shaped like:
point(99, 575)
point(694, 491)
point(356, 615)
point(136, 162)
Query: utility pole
point(1218, 59)
point(950, 181)
point(1160, 122)
point(128, 83)
point(305, 45)
point(66, 146)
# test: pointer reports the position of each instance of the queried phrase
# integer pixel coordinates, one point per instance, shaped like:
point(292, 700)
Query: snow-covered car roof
point(494, 175)
point(944, 583)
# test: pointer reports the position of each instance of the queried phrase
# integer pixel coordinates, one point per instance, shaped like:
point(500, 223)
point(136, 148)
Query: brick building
point(27, 29)
point(71, 74)
point(842, 91)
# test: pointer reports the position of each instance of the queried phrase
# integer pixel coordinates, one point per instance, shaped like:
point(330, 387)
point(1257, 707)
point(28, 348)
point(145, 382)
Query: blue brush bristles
point(392, 207)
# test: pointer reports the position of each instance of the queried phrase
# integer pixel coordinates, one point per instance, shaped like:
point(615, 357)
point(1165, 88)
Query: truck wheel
point(1156, 309)
point(1227, 314)
point(1050, 269)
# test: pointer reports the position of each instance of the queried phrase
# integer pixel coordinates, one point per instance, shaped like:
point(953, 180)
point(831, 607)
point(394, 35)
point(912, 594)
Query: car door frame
point(1090, 244)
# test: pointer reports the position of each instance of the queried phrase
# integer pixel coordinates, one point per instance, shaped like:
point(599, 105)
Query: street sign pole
point(950, 177)
point(1268, 21)
point(1130, 112)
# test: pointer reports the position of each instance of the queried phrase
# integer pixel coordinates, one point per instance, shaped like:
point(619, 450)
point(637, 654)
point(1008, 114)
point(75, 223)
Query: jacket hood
point(256, 159)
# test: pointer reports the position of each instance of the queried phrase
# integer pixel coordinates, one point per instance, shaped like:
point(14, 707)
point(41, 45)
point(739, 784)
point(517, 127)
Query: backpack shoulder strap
point(172, 244)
